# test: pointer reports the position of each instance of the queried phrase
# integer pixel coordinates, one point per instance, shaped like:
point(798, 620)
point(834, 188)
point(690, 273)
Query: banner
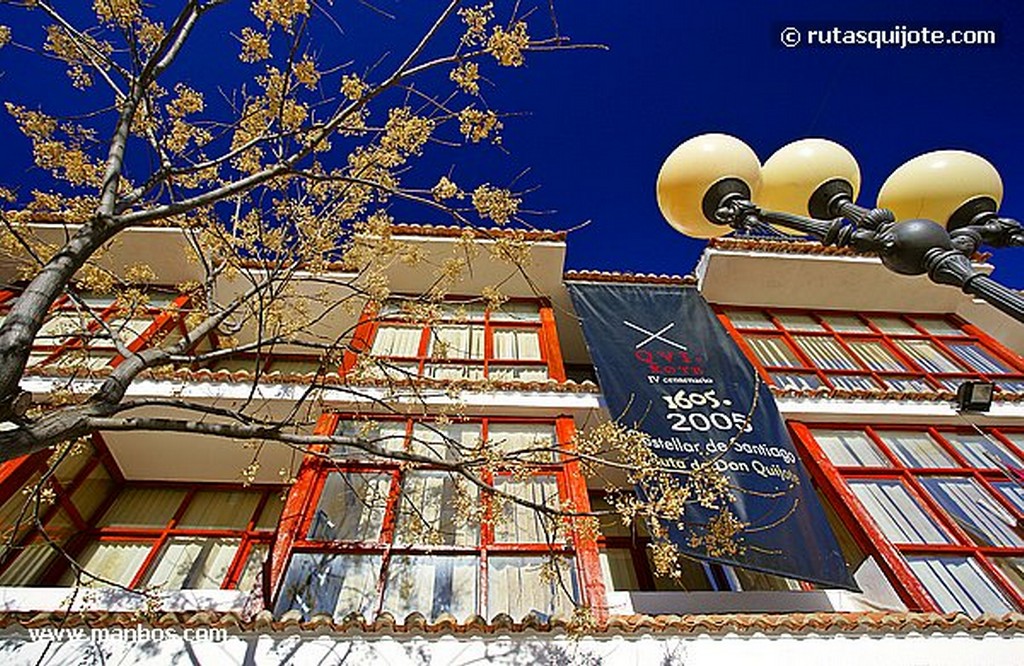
point(668, 368)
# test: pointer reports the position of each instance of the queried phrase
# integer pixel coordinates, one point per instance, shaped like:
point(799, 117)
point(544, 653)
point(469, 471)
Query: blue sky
point(596, 125)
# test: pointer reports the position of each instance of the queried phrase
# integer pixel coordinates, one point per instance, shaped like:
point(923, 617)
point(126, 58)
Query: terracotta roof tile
point(887, 622)
point(327, 380)
point(823, 393)
point(441, 231)
point(636, 278)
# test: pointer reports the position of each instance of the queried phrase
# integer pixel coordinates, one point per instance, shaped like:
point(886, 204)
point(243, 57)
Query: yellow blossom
point(188, 101)
point(281, 12)
point(507, 47)
point(353, 87)
point(446, 189)
point(496, 203)
point(118, 12)
point(255, 46)
point(5, 36)
point(466, 76)
point(476, 20)
point(476, 125)
point(305, 72)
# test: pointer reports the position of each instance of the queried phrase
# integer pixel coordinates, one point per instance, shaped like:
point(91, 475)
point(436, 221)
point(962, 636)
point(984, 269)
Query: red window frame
point(371, 320)
point(165, 321)
point(304, 496)
point(891, 557)
point(14, 475)
point(831, 378)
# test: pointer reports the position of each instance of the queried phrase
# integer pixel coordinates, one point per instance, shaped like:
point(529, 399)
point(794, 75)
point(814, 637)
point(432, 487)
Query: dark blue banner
point(668, 368)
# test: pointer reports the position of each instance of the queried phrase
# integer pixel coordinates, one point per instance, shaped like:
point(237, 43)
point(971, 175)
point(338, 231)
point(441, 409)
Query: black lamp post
point(934, 212)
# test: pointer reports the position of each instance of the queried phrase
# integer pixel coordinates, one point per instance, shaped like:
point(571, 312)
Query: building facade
point(272, 554)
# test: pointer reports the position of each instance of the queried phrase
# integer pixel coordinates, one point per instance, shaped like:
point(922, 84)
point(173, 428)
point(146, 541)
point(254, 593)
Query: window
point(176, 538)
point(167, 536)
point(463, 341)
point(942, 506)
point(80, 330)
point(627, 562)
point(917, 353)
point(381, 536)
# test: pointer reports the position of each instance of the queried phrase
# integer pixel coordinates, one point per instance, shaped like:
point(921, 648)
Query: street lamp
point(933, 212)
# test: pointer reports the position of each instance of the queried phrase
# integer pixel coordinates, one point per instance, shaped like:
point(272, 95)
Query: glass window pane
point(1012, 568)
point(1012, 491)
point(386, 435)
point(457, 342)
point(937, 326)
point(453, 371)
point(18, 512)
point(758, 580)
point(220, 509)
point(850, 447)
point(749, 319)
point(427, 515)
point(113, 561)
point(611, 521)
point(192, 563)
point(92, 492)
point(252, 572)
point(31, 563)
point(60, 326)
point(396, 371)
point(516, 311)
point(773, 351)
point(72, 464)
point(928, 356)
point(400, 341)
point(876, 356)
point(271, 513)
point(351, 507)
point(959, 584)
point(915, 449)
point(979, 358)
point(618, 569)
point(432, 585)
point(982, 451)
point(907, 384)
point(335, 584)
point(449, 441)
point(525, 441)
point(692, 576)
point(522, 524)
point(1011, 385)
point(794, 380)
point(899, 516)
point(977, 513)
point(1016, 438)
point(845, 323)
point(894, 325)
point(798, 322)
point(854, 382)
point(826, 353)
point(521, 585)
point(126, 330)
point(517, 344)
point(143, 507)
point(519, 373)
